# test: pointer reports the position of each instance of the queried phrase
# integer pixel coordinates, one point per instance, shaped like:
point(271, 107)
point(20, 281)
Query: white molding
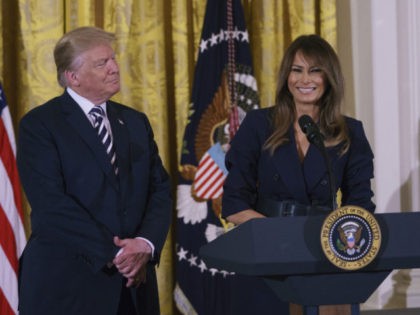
point(385, 104)
point(386, 60)
point(409, 61)
point(413, 291)
point(408, 289)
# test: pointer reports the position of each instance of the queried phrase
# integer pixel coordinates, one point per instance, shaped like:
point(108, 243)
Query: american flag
point(224, 90)
point(12, 232)
point(211, 174)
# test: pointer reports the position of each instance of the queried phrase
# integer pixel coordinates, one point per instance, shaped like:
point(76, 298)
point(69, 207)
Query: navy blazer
point(78, 205)
point(255, 173)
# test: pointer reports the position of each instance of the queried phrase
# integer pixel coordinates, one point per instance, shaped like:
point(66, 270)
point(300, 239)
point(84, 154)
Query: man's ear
point(72, 78)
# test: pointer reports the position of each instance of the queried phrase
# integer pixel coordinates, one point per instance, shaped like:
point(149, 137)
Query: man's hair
point(73, 44)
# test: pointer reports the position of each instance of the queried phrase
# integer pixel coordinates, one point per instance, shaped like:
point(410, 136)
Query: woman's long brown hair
point(331, 122)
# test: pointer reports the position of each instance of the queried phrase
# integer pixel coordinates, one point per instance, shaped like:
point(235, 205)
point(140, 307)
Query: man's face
point(98, 78)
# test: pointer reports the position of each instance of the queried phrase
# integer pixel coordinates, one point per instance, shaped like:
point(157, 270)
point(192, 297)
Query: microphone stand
point(331, 177)
point(315, 137)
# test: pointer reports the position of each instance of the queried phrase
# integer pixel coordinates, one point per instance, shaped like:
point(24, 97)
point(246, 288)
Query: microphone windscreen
point(306, 123)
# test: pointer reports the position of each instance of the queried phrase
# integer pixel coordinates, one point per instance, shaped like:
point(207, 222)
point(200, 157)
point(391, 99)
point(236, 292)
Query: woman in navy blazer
point(270, 157)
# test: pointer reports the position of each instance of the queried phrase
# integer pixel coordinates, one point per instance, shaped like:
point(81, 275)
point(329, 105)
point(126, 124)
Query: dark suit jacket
point(78, 205)
point(254, 173)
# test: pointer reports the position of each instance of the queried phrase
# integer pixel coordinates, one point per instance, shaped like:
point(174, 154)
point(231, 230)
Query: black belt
point(289, 208)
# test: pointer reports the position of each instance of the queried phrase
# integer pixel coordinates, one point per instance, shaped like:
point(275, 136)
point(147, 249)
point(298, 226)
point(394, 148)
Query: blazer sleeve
point(156, 221)
point(240, 187)
point(57, 216)
point(356, 185)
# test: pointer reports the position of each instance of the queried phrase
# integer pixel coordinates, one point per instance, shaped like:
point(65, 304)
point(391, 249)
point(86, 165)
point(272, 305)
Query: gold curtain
point(157, 50)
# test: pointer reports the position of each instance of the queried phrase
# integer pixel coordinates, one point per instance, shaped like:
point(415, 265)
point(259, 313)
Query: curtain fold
point(81, 12)
point(157, 43)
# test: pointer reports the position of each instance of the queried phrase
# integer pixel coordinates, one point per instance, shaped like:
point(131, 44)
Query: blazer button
point(276, 177)
point(324, 182)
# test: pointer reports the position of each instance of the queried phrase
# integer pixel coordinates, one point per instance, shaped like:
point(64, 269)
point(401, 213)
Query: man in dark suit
point(100, 197)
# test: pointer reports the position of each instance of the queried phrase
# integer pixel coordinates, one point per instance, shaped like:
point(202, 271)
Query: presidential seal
point(350, 237)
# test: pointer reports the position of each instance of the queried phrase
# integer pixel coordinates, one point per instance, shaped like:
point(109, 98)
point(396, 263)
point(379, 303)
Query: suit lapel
point(302, 178)
point(121, 137)
point(77, 119)
point(315, 165)
point(287, 163)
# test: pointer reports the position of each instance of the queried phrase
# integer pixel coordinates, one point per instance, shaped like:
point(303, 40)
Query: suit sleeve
point(56, 215)
point(156, 221)
point(356, 186)
point(240, 188)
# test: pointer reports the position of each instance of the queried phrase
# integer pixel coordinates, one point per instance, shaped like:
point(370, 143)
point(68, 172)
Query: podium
point(286, 252)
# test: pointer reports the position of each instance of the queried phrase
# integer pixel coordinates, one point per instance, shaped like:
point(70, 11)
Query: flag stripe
point(7, 120)
point(7, 156)
point(8, 285)
point(210, 187)
point(5, 308)
point(12, 232)
point(210, 172)
point(9, 209)
point(203, 167)
point(216, 189)
point(8, 240)
point(205, 159)
point(205, 186)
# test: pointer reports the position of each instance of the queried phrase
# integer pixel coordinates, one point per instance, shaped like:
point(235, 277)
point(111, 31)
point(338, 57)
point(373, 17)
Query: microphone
point(315, 137)
point(311, 130)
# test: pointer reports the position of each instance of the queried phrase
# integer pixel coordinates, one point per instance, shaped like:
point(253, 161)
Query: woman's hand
point(243, 216)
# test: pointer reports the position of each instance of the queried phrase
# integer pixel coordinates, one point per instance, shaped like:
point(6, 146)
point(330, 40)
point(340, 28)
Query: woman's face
point(306, 81)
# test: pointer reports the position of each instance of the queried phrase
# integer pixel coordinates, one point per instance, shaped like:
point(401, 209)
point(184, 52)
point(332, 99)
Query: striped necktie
point(98, 114)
